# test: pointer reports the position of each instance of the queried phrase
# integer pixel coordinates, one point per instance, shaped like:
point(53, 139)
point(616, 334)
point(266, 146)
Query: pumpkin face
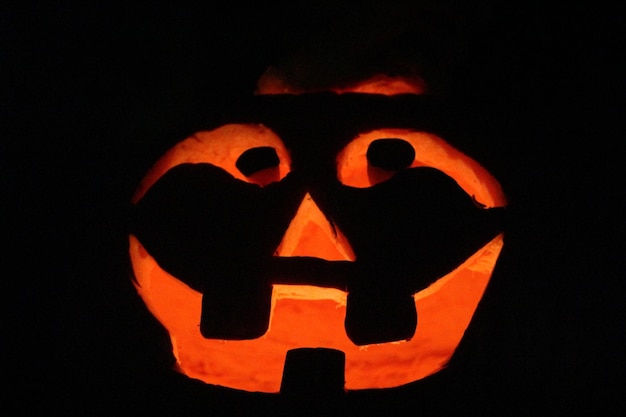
point(327, 227)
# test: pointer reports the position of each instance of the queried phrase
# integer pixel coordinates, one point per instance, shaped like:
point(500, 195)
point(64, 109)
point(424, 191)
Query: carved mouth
point(379, 314)
point(305, 316)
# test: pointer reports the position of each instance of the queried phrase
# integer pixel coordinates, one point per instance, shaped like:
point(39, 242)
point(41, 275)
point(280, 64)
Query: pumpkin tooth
point(236, 314)
point(375, 317)
point(311, 372)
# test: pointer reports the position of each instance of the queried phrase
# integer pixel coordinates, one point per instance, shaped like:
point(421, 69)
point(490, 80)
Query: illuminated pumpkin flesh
point(308, 315)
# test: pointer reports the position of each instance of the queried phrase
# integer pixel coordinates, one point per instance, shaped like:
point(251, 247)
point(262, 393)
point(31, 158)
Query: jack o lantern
point(267, 236)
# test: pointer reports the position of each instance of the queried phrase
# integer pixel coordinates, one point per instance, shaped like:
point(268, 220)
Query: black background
point(93, 94)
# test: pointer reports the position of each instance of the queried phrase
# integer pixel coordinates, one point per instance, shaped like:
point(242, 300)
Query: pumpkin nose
point(311, 233)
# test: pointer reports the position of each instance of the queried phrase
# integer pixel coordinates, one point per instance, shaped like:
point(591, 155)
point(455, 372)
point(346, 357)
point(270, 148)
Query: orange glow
point(379, 84)
point(305, 316)
point(310, 316)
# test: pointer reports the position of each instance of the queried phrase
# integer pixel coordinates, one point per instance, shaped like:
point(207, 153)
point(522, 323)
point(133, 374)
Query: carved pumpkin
point(377, 242)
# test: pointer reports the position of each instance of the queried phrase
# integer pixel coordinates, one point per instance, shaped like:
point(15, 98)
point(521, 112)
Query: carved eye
point(259, 165)
point(376, 156)
point(249, 152)
point(390, 154)
point(257, 159)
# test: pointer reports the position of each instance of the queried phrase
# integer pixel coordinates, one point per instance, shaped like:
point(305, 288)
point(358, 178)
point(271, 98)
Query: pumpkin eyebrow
point(391, 154)
point(257, 159)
